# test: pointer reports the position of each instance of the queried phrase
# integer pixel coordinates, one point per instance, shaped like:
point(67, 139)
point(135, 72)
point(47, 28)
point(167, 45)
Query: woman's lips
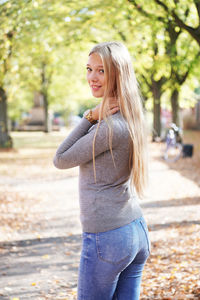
point(95, 87)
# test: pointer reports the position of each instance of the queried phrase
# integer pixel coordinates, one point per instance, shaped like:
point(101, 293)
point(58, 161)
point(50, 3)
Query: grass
point(39, 140)
point(32, 156)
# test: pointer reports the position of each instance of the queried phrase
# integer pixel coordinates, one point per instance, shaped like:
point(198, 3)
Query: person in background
point(110, 147)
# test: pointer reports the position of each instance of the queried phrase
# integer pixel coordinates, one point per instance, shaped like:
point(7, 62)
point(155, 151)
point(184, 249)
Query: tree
point(181, 62)
point(181, 13)
point(11, 25)
point(49, 43)
point(5, 54)
point(183, 55)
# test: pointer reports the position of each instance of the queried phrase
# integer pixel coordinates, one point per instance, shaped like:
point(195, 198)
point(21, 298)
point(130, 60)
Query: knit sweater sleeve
point(77, 148)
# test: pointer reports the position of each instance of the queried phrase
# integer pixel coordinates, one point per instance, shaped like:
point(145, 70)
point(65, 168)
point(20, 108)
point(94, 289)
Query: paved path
point(41, 261)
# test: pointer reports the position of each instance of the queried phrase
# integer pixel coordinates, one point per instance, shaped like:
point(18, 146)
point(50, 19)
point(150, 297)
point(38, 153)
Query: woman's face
point(95, 75)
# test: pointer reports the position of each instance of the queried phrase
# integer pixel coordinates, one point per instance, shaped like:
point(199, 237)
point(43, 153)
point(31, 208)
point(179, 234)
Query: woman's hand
point(113, 108)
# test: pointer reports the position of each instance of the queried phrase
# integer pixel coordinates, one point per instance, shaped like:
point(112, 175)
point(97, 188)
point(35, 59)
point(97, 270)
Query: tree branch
point(145, 13)
point(163, 5)
point(190, 29)
point(194, 32)
point(197, 4)
point(181, 78)
point(146, 81)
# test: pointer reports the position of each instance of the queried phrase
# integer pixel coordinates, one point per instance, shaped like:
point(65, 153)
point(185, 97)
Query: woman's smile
point(95, 87)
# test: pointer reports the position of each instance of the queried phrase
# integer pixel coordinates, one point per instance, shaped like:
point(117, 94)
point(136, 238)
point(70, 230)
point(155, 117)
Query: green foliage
point(59, 35)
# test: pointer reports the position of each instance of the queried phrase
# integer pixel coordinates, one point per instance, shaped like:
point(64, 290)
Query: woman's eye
point(88, 69)
point(101, 70)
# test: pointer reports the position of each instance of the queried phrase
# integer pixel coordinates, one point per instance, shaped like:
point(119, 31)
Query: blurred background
point(44, 47)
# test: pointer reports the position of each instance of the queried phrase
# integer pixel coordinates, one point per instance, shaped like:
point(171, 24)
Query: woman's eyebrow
point(99, 66)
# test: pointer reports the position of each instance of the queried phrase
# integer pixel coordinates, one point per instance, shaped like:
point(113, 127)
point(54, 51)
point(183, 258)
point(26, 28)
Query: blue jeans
point(111, 262)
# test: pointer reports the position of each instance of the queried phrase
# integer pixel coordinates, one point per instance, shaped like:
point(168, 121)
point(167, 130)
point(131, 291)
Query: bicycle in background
point(174, 144)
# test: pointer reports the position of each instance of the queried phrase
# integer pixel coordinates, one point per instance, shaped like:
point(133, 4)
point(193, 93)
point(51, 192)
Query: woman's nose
point(93, 76)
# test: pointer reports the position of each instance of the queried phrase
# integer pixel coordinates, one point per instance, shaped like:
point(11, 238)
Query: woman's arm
point(77, 149)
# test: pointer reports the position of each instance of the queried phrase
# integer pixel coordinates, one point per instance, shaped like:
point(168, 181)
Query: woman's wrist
point(89, 115)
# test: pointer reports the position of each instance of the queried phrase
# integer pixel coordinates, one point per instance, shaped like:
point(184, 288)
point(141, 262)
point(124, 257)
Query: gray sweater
point(108, 203)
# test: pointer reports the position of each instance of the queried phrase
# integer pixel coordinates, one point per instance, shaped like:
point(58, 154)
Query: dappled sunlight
point(40, 221)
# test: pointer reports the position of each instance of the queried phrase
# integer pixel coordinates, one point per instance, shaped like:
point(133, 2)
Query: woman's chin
point(97, 95)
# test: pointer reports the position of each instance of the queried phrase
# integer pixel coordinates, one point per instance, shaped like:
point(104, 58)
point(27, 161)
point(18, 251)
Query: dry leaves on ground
point(16, 212)
point(172, 271)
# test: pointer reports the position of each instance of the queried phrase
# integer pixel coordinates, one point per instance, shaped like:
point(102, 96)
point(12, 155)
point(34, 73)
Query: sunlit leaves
point(60, 33)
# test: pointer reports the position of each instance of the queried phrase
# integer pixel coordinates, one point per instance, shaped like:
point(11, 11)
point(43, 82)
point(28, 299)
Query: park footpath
point(40, 260)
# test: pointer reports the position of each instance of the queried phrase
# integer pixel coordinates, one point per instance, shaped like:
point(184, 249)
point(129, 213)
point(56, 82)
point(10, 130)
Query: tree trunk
point(156, 110)
point(47, 125)
point(175, 106)
point(5, 139)
point(44, 83)
point(156, 118)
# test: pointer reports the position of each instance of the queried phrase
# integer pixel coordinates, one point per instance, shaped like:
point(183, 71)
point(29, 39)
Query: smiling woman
point(95, 75)
point(111, 178)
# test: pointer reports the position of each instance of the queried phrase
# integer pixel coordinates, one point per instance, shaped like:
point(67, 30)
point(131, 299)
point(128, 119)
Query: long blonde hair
point(121, 83)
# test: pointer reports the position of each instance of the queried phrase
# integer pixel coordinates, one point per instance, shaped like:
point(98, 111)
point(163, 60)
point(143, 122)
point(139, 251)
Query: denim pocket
point(146, 231)
point(116, 245)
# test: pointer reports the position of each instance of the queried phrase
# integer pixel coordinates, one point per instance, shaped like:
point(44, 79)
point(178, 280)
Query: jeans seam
point(147, 238)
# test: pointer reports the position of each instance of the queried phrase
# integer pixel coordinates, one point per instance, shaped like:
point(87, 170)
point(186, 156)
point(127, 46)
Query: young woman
point(109, 145)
